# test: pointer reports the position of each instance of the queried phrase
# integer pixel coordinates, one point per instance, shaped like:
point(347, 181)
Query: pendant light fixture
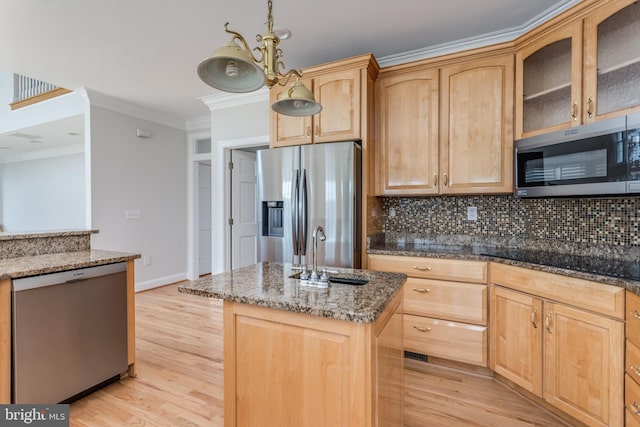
point(234, 68)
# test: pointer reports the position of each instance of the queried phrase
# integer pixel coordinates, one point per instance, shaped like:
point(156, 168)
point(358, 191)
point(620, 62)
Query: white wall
point(241, 122)
point(43, 194)
point(131, 173)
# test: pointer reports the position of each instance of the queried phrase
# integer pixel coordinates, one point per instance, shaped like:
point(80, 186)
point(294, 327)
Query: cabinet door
point(407, 130)
point(476, 132)
point(584, 369)
point(289, 130)
point(516, 338)
point(548, 82)
point(339, 94)
point(612, 60)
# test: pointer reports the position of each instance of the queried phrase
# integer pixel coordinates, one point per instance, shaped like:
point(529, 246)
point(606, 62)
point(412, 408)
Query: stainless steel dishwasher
point(69, 332)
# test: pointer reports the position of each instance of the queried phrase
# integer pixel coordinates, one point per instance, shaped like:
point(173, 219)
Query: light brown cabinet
point(445, 306)
point(318, 372)
point(407, 129)
point(339, 88)
point(476, 126)
point(446, 130)
point(563, 352)
point(632, 360)
point(581, 71)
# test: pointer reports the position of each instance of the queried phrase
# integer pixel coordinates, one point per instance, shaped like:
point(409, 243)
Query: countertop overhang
point(268, 284)
point(33, 265)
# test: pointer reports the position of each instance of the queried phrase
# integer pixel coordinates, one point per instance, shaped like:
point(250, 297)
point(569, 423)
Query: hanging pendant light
point(234, 68)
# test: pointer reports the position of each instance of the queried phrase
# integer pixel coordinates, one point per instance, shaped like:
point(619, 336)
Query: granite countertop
point(12, 268)
point(268, 284)
point(43, 234)
point(617, 272)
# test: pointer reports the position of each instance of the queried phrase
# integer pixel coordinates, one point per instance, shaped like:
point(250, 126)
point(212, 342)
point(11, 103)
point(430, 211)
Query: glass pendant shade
point(297, 101)
point(231, 68)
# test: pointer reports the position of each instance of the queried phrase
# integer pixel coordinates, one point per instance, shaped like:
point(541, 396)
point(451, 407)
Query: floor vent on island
point(416, 356)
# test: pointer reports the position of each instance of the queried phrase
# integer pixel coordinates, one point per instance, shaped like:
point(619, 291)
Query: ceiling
point(145, 52)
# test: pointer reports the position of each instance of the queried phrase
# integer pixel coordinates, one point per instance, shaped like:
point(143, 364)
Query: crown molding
point(118, 105)
point(220, 100)
point(198, 123)
point(482, 40)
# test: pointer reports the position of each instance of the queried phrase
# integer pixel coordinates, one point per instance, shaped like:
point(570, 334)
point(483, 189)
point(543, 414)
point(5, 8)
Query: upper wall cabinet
point(407, 130)
point(559, 84)
point(451, 135)
point(338, 87)
point(476, 126)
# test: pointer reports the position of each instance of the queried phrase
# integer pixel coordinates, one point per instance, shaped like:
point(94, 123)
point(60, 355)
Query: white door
point(244, 212)
point(204, 215)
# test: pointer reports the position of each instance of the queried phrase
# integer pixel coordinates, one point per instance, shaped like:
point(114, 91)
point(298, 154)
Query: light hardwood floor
point(179, 382)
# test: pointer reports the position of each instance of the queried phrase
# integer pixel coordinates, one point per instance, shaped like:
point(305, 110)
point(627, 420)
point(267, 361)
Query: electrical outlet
point(392, 213)
point(131, 214)
point(472, 213)
point(146, 260)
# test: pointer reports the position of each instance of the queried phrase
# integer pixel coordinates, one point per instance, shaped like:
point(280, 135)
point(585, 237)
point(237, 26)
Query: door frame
point(221, 184)
point(193, 219)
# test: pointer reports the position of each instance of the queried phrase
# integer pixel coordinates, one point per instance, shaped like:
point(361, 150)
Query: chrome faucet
point(318, 233)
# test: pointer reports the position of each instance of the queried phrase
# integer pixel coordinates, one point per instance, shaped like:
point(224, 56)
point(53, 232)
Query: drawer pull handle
point(422, 329)
point(415, 267)
point(636, 314)
point(635, 369)
point(547, 322)
point(533, 317)
point(636, 408)
point(421, 290)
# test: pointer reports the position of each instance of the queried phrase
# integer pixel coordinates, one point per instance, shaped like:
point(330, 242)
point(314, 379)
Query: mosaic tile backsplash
point(611, 221)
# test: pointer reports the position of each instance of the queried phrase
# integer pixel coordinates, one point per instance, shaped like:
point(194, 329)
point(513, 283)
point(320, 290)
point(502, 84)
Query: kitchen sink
point(341, 278)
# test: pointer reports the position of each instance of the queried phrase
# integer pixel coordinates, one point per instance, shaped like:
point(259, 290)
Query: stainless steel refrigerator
point(302, 187)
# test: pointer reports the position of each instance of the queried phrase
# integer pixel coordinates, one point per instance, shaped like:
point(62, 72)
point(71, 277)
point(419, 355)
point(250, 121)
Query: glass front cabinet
point(583, 71)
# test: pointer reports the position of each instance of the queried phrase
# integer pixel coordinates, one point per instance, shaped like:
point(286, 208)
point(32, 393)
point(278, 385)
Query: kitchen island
point(303, 355)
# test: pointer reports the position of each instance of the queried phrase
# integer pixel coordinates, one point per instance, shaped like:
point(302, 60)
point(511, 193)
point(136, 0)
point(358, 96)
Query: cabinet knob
point(421, 329)
point(415, 267)
point(421, 290)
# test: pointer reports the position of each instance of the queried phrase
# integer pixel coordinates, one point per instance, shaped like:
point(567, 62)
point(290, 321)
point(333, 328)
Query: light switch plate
point(131, 214)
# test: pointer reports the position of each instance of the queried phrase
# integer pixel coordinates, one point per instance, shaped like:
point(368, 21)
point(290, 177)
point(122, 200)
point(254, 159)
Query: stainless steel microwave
point(597, 159)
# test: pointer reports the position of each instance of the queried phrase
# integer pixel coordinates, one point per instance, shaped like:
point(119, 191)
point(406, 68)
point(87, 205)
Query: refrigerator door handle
point(304, 215)
point(295, 217)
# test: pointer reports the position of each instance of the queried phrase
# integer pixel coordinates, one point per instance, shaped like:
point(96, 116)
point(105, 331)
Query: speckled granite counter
point(269, 285)
point(617, 272)
point(13, 268)
point(14, 245)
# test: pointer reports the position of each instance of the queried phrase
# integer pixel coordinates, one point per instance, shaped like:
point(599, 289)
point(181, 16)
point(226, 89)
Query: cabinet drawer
point(632, 365)
point(632, 399)
point(464, 302)
point(447, 340)
point(581, 293)
point(632, 328)
point(431, 268)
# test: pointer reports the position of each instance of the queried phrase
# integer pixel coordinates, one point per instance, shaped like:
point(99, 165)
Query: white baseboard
point(161, 281)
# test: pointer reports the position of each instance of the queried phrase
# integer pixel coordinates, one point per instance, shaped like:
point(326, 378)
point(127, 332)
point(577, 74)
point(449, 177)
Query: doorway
point(243, 202)
point(204, 218)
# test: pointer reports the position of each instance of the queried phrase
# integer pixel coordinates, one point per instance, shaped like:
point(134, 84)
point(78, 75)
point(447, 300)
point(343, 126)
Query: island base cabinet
point(291, 369)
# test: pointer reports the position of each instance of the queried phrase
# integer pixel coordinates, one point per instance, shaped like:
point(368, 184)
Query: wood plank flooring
point(179, 382)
